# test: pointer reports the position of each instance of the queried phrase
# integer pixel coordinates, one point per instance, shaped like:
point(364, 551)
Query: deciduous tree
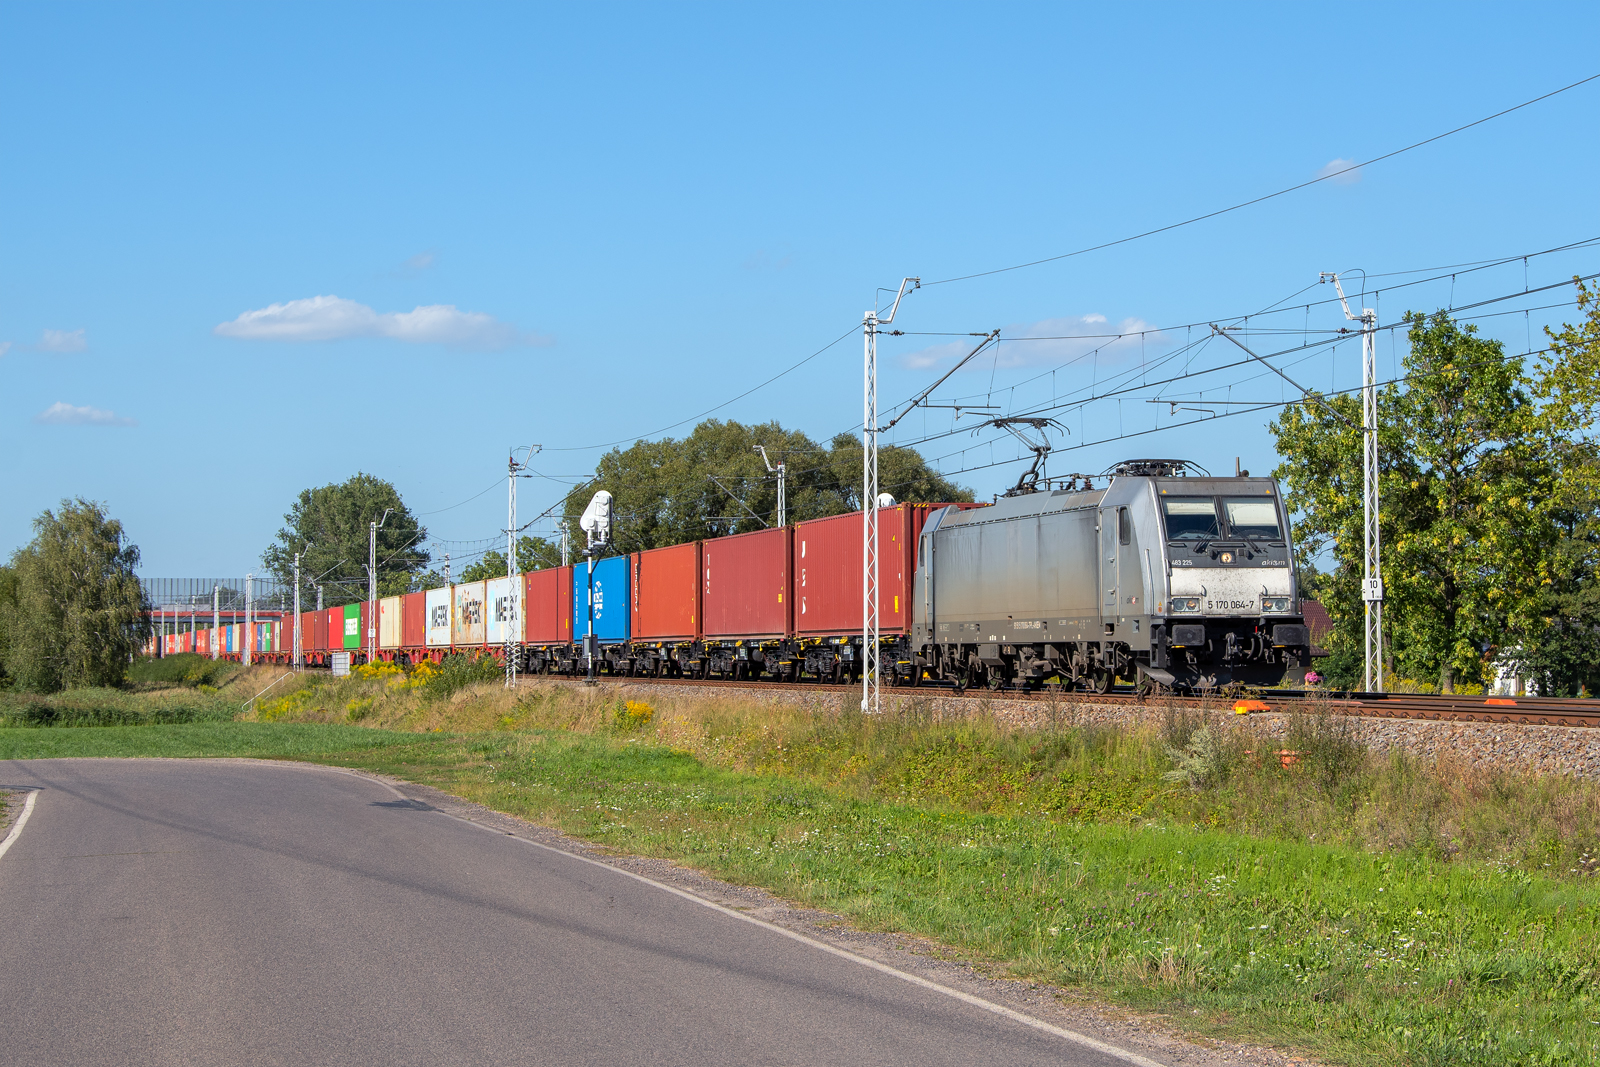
point(1467, 482)
point(714, 483)
point(333, 520)
point(74, 613)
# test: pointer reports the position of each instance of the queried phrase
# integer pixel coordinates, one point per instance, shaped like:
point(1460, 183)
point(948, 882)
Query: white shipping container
point(438, 605)
point(467, 616)
point(504, 601)
point(389, 622)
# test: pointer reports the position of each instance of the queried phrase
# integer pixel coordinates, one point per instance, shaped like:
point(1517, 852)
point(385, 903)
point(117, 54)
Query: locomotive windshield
point(1192, 520)
point(1254, 517)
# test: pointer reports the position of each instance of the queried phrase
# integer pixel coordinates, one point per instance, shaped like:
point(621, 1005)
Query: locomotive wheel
point(1100, 682)
point(994, 678)
point(916, 676)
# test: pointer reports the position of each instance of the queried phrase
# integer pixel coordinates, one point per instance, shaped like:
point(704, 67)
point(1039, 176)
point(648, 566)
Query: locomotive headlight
point(1185, 603)
point(1272, 604)
point(1226, 557)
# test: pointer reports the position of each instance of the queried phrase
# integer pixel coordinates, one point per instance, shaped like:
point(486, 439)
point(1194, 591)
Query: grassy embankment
point(1370, 910)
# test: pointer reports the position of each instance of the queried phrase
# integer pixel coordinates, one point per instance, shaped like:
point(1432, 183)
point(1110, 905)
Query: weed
point(1326, 746)
point(631, 715)
point(1203, 762)
point(457, 672)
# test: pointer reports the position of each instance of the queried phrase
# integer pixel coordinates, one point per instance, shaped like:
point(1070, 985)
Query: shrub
point(183, 669)
point(458, 672)
point(1203, 762)
point(632, 715)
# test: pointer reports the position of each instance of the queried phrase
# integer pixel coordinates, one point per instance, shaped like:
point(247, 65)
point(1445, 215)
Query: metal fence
point(196, 596)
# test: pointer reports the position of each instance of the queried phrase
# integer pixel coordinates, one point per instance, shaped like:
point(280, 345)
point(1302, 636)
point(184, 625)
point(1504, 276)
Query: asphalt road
point(197, 913)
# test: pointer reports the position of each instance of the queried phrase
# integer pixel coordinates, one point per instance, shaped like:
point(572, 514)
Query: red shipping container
point(827, 570)
point(666, 593)
point(414, 620)
point(744, 581)
point(333, 629)
point(547, 606)
point(314, 634)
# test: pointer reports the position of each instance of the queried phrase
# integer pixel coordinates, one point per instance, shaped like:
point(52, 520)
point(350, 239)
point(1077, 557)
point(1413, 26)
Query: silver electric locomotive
point(1165, 576)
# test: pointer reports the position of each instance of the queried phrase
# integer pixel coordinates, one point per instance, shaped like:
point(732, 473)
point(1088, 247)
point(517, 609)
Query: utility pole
point(447, 568)
point(216, 619)
point(299, 644)
point(372, 585)
point(319, 598)
point(1372, 571)
point(249, 622)
point(513, 621)
point(782, 471)
point(870, 700)
point(566, 551)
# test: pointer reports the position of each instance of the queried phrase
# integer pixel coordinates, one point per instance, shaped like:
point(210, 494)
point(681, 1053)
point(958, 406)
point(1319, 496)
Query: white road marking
point(917, 980)
point(22, 820)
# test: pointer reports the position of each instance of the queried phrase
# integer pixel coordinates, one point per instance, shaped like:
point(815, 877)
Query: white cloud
point(5, 346)
point(418, 263)
point(1332, 171)
point(332, 318)
point(63, 341)
point(1050, 341)
point(63, 414)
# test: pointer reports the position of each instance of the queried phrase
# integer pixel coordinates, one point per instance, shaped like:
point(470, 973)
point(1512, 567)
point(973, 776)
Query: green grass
point(1060, 855)
point(267, 741)
point(184, 668)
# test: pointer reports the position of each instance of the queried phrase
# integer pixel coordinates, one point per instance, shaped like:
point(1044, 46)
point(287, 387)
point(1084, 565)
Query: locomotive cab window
point(1192, 519)
point(1254, 518)
point(1124, 527)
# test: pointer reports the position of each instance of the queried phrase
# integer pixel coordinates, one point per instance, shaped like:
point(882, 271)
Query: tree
point(333, 520)
point(74, 613)
point(8, 605)
point(1467, 483)
point(533, 554)
point(1559, 653)
point(714, 483)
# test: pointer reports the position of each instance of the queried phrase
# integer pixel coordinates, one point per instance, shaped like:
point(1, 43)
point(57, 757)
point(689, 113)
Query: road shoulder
point(1148, 1035)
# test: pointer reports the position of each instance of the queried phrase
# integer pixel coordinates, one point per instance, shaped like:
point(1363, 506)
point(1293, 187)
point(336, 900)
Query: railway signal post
point(596, 525)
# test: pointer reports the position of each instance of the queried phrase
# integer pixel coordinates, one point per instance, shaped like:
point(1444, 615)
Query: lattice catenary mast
point(1372, 571)
point(870, 700)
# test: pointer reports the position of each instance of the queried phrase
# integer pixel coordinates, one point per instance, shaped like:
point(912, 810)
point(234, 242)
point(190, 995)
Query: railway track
point(1531, 711)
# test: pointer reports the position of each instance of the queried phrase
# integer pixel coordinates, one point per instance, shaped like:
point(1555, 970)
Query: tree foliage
point(333, 521)
point(533, 554)
point(71, 609)
point(1488, 535)
point(713, 483)
point(1563, 653)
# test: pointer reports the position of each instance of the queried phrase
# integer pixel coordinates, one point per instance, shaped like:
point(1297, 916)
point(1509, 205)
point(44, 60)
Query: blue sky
point(579, 224)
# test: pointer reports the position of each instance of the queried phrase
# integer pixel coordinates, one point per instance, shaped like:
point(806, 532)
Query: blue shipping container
point(611, 600)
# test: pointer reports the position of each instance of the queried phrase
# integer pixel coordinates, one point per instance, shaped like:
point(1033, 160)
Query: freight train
point(1164, 576)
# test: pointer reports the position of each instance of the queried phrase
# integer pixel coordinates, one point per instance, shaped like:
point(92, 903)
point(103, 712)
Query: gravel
point(1560, 750)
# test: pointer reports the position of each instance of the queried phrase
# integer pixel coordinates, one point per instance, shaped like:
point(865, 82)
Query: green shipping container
point(352, 625)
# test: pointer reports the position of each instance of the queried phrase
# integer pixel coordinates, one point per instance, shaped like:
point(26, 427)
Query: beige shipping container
point(467, 622)
point(389, 622)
